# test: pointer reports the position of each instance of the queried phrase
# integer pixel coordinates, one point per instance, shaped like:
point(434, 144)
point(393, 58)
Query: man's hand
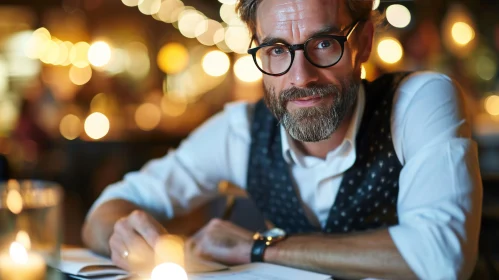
point(133, 240)
point(223, 242)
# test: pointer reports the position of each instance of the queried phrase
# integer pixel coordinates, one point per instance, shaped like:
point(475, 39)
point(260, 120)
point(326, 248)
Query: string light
point(147, 116)
point(398, 15)
point(97, 126)
point(216, 63)
point(246, 70)
point(194, 24)
point(99, 54)
point(492, 105)
point(70, 127)
point(462, 33)
point(390, 50)
point(79, 54)
point(80, 76)
point(173, 58)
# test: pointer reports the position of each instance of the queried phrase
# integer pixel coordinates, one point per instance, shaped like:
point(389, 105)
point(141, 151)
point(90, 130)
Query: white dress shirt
point(439, 199)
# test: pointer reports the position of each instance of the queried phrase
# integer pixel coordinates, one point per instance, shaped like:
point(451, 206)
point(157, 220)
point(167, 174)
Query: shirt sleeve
point(188, 177)
point(440, 193)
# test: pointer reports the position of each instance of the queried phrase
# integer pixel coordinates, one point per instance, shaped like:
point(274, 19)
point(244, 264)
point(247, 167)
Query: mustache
point(316, 90)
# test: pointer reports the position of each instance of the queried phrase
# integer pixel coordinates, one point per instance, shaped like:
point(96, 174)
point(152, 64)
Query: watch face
point(274, 233)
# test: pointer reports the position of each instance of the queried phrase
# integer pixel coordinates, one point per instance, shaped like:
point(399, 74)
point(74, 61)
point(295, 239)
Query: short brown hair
point(359, 10)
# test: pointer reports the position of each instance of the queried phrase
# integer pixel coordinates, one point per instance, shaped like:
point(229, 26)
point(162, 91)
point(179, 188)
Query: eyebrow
point(328, 29)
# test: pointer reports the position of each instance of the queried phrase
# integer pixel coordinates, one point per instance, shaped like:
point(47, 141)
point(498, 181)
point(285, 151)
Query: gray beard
point(316, 123)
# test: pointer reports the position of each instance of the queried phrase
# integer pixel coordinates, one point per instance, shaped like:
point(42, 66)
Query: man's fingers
point(137, 248)
point(119, 252)
point(146, 226)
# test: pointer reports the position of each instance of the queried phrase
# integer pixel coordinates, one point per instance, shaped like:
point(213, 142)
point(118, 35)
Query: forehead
point(292, 18)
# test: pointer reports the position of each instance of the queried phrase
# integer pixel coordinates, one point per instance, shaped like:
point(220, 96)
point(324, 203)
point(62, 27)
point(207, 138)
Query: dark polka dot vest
point(367, 197)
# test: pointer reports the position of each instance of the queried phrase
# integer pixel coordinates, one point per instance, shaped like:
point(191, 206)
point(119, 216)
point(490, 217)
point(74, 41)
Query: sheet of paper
point(260, 271)
point(83, 262)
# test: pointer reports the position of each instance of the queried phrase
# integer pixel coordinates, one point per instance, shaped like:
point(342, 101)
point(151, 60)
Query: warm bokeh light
point(173, 58)
point(219, 36)
point(390, 50)
point(147, 116)
point(376, 4)
point(173, 107)
point(50, 52)
point(9, 114)
point(137, 62)
point(18, 253)
point(70, 127)
point(4, 78)
point(69, 47)
point(79, 54)
point(246, 70)
point(15, 62)
point(363, 73)
point(22, 238)
point(132, 3)
point(205, 31)
point(170, 10)
point(237, 37)
point(149, 7)
point(492, 105)
point(97, 126)
point(462, 33)
point(168, 271)
point(188, 21)
point(99, 54)
point(228, 12)
point(398, 15)
point(14, 201)
point(36, 42)
point(486, 68)
point(63, 55)
point(117, 63)
point(80, 76)
point(216, 63)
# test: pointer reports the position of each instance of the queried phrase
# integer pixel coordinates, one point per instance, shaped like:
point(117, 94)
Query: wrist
point(265, 241)
point(271, 254)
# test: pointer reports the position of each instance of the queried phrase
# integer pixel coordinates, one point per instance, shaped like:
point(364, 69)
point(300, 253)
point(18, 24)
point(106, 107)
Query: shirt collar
point(292, 155)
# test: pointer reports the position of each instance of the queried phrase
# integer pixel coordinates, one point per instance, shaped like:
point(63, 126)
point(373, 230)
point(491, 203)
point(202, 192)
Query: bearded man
point(359, 179)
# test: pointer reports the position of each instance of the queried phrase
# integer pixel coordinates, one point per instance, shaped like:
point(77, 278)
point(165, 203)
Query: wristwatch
point(263, 240)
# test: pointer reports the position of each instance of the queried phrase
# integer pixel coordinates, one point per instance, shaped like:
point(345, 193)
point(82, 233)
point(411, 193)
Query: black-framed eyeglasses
point(323, 51)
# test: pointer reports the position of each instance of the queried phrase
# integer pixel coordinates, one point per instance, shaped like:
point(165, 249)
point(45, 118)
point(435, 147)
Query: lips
point(307, 101)
point(306, 98)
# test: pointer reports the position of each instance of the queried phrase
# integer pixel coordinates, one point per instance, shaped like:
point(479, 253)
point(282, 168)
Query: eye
point(276, 50)
point(324, 44)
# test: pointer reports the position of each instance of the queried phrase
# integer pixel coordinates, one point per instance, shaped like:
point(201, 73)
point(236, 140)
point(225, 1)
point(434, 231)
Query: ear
point(365, 42)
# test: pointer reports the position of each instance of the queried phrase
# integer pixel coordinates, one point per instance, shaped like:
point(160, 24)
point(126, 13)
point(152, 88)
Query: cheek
point(274, 83)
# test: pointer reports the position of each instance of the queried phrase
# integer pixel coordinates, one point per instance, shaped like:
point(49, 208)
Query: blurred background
point(92, 89)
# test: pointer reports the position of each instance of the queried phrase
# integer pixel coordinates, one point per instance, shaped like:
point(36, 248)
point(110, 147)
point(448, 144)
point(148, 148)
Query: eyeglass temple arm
point(251, 41)
point(352, 29)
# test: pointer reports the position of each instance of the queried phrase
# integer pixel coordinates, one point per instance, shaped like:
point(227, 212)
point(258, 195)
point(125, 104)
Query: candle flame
point(22, 238)
point(168, 271)
point(14, 201)
point(18, 253)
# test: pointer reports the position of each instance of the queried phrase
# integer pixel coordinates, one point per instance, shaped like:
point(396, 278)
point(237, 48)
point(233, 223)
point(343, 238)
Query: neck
point(322, 148)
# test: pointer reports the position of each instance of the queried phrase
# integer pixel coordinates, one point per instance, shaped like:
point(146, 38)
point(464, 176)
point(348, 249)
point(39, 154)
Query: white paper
point(260, 271)
point(83, 262)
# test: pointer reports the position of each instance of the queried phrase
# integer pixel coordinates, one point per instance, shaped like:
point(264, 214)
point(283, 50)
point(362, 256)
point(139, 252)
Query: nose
point(302, 72)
